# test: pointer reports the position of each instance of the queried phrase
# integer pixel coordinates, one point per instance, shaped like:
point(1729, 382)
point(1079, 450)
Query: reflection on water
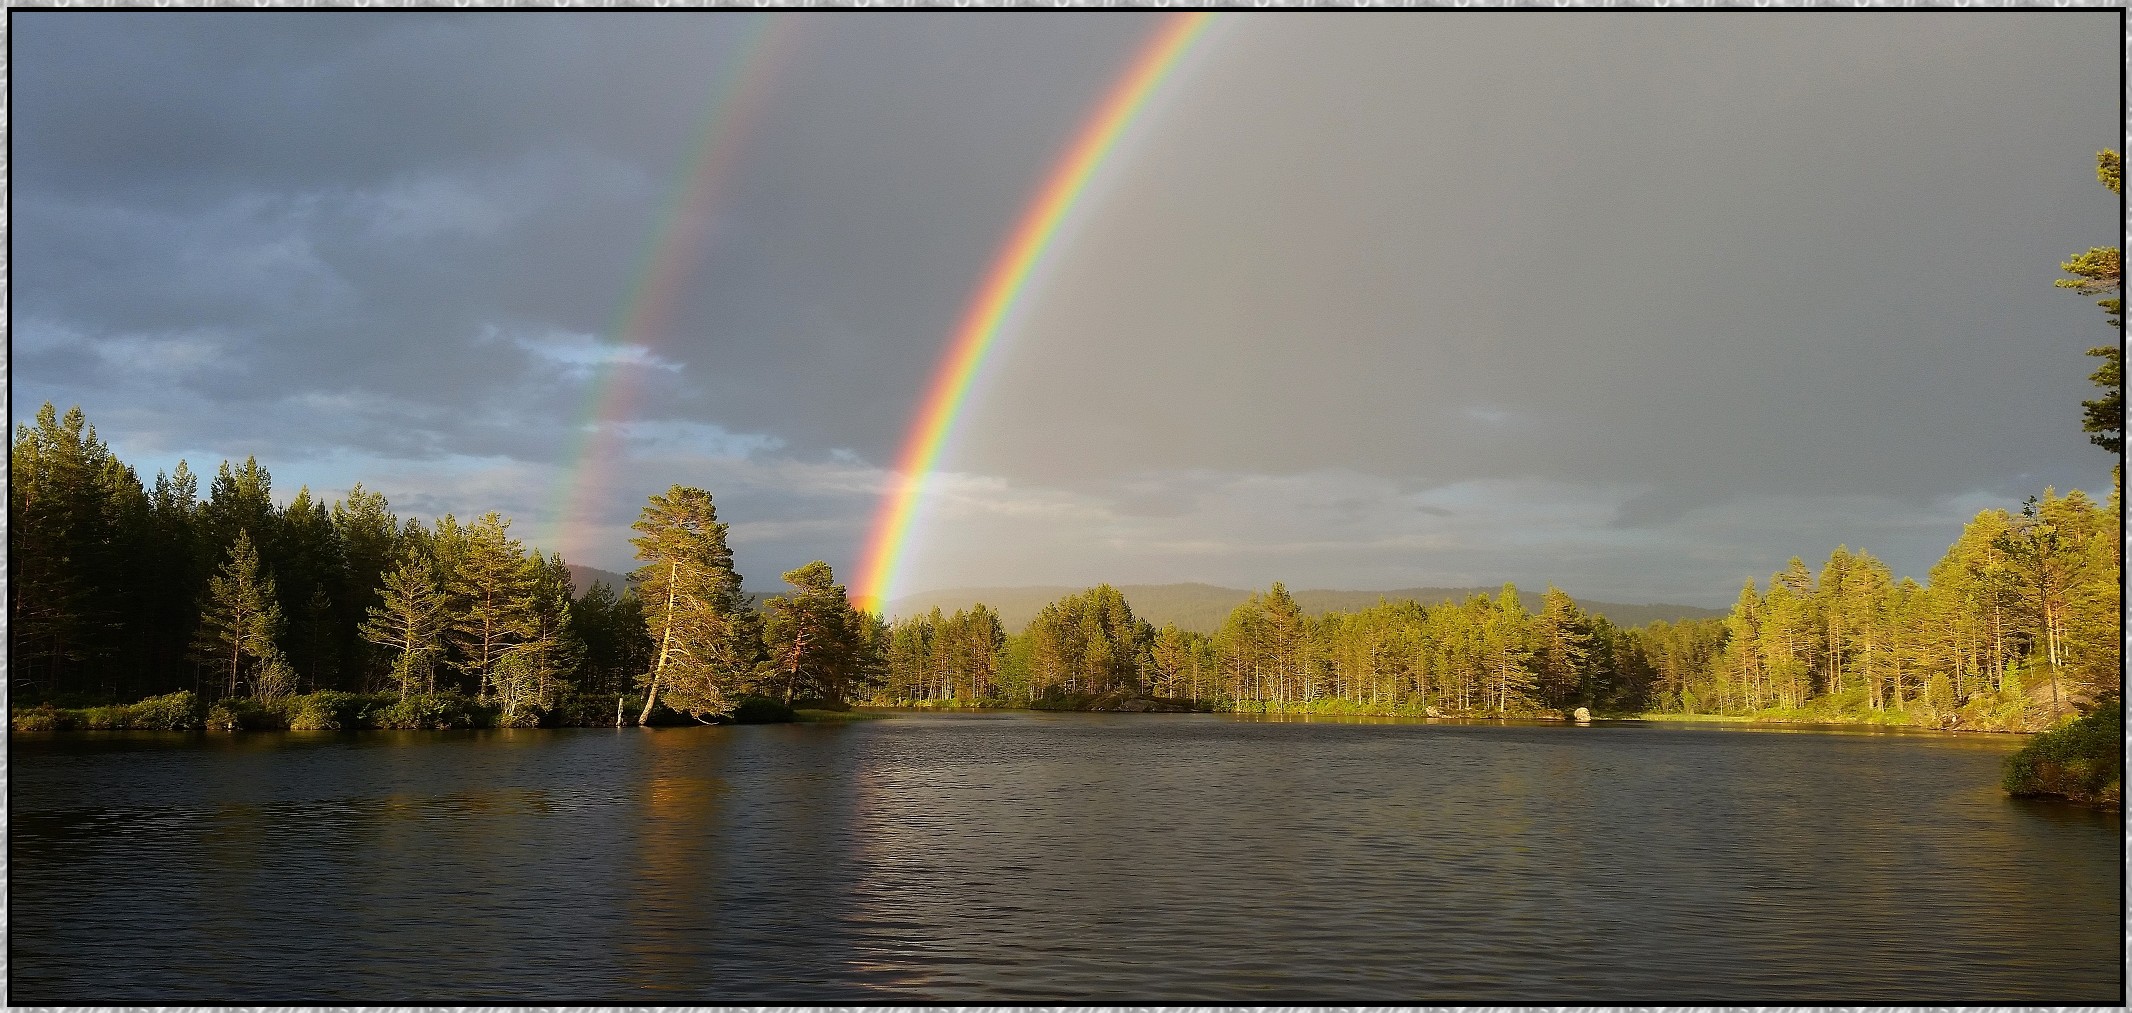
point(1040, 856)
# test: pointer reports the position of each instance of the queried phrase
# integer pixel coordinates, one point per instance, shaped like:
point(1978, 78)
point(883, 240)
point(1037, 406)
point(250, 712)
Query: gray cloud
point(1364, 301)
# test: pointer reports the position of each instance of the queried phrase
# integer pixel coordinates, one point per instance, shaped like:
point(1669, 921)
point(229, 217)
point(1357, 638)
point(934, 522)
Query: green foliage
point(171, 712)
point(241, 622)
point(524, 717)
point(442, 710)
point(490, 600)
point(1201, 608)
point(2100, 271)
point(41, 718)
point(244, 714)
point(708, 636)
point(2082, 761)
point(960, 658)
point(586, 710)
point(818, 644)
point(327, 711)
point(407, 623)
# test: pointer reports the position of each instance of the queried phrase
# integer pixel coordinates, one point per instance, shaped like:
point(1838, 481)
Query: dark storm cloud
point(349, 202)
point(1627, 302)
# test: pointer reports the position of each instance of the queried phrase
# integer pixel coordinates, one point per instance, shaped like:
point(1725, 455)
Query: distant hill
point(1202, 607)
point(583, 577)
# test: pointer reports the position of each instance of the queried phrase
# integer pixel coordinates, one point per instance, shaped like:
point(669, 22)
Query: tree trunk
point(651, 695)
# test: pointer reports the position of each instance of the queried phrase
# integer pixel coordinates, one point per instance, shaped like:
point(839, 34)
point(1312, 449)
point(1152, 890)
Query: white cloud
point(581, 355)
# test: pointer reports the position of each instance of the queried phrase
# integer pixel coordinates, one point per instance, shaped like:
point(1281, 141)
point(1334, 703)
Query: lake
point(1022, 856)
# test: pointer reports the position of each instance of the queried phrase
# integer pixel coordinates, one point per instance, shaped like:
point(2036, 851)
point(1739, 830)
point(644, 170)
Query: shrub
point(325, 711)
point(430, 710)
point(42, 718)
point(2080, 761)
point(243, 714)
point(171, 712)
point(526, 716)
point(106, 719)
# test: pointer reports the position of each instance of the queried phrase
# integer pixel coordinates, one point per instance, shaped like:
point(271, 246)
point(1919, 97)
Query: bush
point(171, 712)
point(2081, 761)
point(244, 714)
point(112, 718)
point(325, 711)
point(526, 716)
point(430, 710)
point(42, 718)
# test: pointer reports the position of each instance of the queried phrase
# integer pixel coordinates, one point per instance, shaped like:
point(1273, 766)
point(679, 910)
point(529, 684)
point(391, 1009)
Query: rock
point(1582, 714)
point(1433, 712)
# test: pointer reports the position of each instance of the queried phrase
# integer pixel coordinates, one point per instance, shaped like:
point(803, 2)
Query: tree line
point(2018, 623)
point(123, 589)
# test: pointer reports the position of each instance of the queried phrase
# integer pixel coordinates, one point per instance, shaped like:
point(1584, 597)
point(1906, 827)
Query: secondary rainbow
point(670, 252)
point(1002, 289)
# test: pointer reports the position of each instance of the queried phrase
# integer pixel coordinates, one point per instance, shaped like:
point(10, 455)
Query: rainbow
point(670, 252)
point(1000, 293)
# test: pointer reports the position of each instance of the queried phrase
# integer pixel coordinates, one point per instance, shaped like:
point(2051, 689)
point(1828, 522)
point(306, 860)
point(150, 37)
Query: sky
point(1641, 306)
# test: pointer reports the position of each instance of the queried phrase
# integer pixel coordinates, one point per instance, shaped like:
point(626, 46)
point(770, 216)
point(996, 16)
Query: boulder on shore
point(1582, 714)
point(1433, 712)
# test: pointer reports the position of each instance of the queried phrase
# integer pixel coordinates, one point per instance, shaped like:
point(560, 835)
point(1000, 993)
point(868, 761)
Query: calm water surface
point(1027, 856)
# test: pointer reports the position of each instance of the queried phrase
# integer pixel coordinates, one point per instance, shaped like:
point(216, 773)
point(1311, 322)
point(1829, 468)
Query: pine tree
point(2045, 561)
point(813, 635)
point(309, 573)
point(241, 499)
point(1507, 647)
point(370, 541)
point(707, 636)
point(2100, 271)
point(80, 527)
point(241, 622)
point(1169, 654)
point(1561, 637)
point(408, 622)
point(491, 599)
point(549, 658)
point(174, 559)
point(1743, 635)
